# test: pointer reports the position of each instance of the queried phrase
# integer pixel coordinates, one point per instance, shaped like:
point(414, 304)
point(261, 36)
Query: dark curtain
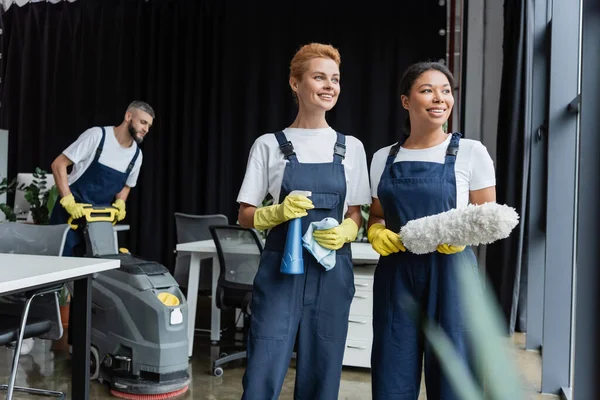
point(505, 263)
point(216, 73)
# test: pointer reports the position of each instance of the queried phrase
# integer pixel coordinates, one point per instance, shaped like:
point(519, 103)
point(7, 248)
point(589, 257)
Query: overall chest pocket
point(325, 200)
point(326, 205)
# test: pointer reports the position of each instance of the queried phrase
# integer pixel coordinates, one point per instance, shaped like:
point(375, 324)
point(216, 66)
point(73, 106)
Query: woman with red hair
point(311, 308)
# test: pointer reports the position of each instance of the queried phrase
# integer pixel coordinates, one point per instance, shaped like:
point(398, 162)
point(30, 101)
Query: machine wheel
point(94, 363)
point(218, 371)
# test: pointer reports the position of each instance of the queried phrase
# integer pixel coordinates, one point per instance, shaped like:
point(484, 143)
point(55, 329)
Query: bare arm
point(123, 193)
point(354, 213)
point(246, 215)
point(486, 195)
point(376, 213)
point(59, 171)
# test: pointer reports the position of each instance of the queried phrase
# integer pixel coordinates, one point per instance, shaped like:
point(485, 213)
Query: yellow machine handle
point(96, 214)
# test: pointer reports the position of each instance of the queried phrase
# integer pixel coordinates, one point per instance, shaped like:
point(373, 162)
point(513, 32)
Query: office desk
point(362, 253)
point(24, 272)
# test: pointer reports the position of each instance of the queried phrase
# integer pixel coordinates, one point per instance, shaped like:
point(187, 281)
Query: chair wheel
point(218, 371)
point(94, 363)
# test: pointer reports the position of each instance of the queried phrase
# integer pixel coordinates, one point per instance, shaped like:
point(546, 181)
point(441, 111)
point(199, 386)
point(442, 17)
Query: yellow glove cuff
point(120, 204)
point(374, 230)
point(267, 217)
point(350, 229)
point(67, 200)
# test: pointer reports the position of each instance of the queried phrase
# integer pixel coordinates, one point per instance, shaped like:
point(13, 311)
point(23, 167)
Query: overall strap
point(132, 163)
point(452, 149)
point(101, 145)
point(286, 147)
point(393, 153)
point(394, 150)
point(339, 150)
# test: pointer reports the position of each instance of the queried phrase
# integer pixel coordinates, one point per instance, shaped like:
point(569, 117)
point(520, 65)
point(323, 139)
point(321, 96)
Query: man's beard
point(133, 133)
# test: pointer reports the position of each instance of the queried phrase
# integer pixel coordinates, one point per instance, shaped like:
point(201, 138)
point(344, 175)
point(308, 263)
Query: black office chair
point(239, 250)
point(34, 313)
point(192, 228)
point(16, 329)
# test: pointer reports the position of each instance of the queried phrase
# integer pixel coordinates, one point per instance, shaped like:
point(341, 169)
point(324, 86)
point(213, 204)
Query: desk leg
point(80, 363)
point(192, 298)
point(116, 236)
point(215, 312)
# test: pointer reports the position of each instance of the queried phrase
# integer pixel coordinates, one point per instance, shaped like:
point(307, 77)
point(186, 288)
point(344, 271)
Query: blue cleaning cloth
point(324, 256)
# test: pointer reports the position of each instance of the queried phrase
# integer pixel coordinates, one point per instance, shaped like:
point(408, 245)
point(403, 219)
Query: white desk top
point(21, 271)
point(362, 253)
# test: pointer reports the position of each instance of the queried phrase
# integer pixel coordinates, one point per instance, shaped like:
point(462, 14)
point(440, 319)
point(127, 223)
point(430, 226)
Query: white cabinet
point(360, 321)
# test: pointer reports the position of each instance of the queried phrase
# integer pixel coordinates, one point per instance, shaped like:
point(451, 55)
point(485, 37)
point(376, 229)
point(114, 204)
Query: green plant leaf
point(495, 370)
point(458, 375)
point(484, 320)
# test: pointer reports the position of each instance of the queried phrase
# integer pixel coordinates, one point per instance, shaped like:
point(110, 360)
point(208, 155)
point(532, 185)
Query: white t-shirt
point(83, 150)
point(266, 163)
point(474, 168)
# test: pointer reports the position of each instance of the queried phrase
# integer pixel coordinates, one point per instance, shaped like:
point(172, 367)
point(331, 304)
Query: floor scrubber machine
point(139, 343)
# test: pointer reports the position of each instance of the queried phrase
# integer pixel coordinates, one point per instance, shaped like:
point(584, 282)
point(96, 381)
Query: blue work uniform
point(311, 308)
point(97, 186)
point(409, 190)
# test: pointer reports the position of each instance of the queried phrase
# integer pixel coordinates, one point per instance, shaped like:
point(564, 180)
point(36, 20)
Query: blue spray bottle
point(292, 262)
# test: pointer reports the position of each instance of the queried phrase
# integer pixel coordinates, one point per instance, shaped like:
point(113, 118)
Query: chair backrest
point(47, 240)
point(192, 228)
point(239, 250)
point(18, 238)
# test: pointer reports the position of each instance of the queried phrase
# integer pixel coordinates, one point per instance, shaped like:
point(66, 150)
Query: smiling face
point(319, 86)
point(430, 100)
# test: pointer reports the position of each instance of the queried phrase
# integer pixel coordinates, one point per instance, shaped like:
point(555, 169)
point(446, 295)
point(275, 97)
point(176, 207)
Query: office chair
point(33, 313)
point(239, 250)
point(192, 228)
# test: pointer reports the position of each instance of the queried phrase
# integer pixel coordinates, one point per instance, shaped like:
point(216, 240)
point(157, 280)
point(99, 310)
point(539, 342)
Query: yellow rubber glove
point(74, 209)
point(293, 206)
point(449, 249)
point(120, 204)
point(335, 238)
point(384, 241)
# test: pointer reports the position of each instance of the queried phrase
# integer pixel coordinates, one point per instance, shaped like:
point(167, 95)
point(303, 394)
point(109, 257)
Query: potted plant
point(64, 299)
point(7, 187)
point(361, 236)
point(37, 195)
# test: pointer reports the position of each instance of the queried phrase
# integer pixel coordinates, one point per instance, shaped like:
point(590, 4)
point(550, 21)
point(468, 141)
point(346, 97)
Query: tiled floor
point(51, 369)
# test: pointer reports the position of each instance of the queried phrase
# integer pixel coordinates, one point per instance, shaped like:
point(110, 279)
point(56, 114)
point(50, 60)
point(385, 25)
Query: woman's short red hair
point(308, 52)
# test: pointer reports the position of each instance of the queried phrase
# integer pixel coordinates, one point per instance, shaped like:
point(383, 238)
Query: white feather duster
point(469, 226)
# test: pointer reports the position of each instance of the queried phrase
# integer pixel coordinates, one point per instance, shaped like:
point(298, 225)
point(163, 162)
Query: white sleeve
point(377, 167)
point(256, 180)
point(85, 145)
point(135, 172)
point(358, 181)
point(483, 174)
